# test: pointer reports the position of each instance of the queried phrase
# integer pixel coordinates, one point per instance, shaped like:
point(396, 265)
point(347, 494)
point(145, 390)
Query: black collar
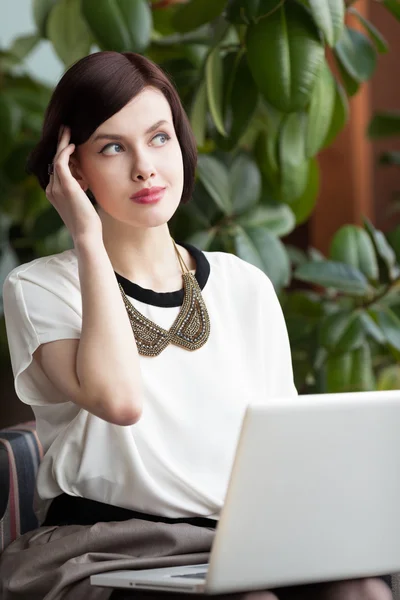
point(168, 299)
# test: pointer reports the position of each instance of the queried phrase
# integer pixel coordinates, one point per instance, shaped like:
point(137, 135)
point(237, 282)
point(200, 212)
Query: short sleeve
point(39, 307)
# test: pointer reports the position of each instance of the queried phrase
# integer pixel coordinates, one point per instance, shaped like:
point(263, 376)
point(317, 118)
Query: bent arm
point(101, 371)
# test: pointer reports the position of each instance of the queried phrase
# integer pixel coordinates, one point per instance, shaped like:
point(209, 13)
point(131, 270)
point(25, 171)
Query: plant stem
point(381, 294)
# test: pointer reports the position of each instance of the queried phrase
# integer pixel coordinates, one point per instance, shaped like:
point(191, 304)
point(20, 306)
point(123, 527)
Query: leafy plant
point(262, 100)
point(345, 331)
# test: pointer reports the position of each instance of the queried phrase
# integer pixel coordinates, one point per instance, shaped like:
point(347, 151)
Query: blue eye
point(113, 145)
point(162, 136)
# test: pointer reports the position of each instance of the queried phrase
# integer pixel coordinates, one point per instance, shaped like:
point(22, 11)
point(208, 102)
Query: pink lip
point(148, 195)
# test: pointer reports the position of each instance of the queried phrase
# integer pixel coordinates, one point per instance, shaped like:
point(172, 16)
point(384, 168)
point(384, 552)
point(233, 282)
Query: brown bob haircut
point(95, 88)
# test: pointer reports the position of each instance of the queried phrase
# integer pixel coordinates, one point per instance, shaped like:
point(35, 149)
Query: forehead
point(149, 106)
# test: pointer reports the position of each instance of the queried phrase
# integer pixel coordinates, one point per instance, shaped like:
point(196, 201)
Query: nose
point(143, 169)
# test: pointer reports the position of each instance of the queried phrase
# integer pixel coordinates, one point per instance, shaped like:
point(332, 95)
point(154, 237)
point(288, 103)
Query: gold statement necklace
point(191, 328)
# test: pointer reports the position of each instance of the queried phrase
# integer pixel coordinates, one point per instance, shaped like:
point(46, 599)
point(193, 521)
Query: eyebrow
point(115, 136)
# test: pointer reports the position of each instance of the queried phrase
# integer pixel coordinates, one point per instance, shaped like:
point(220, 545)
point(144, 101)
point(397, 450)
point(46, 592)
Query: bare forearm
point(107, 360)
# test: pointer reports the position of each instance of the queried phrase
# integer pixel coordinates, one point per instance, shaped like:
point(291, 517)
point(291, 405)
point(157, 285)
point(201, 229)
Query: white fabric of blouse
point(176, 460)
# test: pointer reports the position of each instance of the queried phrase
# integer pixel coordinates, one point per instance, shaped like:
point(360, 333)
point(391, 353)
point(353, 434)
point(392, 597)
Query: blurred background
point(295, 105)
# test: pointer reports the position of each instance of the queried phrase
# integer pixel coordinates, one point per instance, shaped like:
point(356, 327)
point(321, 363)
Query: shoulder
point(63, 263)
point(231, 267)
point(47, 271)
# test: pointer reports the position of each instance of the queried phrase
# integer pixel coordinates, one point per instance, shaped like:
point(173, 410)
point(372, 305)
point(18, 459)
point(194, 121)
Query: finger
point(49, 192)
point(64, 138)
point(62, 172)
point(52, 176)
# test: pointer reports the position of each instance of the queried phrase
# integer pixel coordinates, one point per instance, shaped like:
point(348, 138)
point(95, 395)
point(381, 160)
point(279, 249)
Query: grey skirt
point(55, 561)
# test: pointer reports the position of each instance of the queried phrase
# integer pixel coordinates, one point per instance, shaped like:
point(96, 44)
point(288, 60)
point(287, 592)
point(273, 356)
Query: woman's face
point(135, 149)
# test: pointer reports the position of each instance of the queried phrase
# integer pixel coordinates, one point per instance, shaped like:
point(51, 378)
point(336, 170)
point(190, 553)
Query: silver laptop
point(314, 495)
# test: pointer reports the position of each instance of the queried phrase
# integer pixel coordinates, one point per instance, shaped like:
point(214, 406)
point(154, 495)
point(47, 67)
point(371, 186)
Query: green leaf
point(202, 239)
point(350, 372)
point(356, 54)
point(315, 255)
point(214, 83)
point(390, 326)
point(8, 61)
point(296, 256)
point(240, 101)
point(284, 54)
point(393, 6)
point(198, 114)
point(371, 329)
point(304, 205)
point(120, 25)
point(386, 256)
point(9, 125)
point(384, 125)
point(375, 35)
point(41, 10)
point(362, 375)
point(201, 211)
point(261, 248)
point(350, 85)
point(8, 262)
point(23, 45)
point(162, 19)
point(195, 13)
point(393, 237)
point(305, 305)
point(30, 96)
point(47, 223)
point(240, 11)
point(245, 183)
point(15, 163)
point(389, 378)
point(266, 144)
point(342, 277)
point(54, 243)
point(205, 203)
point(338, 373)
point(214, 177)
point(35, 201)
point(229, 66)
point(294, 165)
point(320, 111)
point(353, 246)
point(278, 219)
point(341, 332)
point(329, 16)
point(68, 32)
point(353, 337)
point(333, 327)
point(243, 101)
point(340, 115)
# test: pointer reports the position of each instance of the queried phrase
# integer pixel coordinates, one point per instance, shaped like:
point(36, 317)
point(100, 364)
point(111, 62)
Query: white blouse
point(176, 460)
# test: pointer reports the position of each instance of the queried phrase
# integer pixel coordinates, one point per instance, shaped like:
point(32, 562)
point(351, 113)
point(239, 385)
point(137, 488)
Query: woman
point(138, 355)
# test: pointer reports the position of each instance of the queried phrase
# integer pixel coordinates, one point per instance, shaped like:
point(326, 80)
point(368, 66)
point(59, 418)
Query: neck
point(145, 256)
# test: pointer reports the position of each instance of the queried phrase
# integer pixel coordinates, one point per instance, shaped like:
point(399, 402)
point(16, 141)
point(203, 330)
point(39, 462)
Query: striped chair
point(20, 456)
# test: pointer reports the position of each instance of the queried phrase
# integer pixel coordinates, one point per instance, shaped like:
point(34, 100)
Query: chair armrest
point(20, 456)
point(4, 480)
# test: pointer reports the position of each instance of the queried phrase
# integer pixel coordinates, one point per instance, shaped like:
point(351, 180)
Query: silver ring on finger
point(50, 169)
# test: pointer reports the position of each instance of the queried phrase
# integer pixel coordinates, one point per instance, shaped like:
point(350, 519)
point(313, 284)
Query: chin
point(154, 218)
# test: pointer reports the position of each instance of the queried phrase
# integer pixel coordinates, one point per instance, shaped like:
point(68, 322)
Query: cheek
point(100, 172)
point(176, 165)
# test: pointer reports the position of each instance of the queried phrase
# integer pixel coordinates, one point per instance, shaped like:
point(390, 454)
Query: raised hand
point(67, 196)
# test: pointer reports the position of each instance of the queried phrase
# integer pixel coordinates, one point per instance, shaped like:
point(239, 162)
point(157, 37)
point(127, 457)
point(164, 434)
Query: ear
point(77, 173)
